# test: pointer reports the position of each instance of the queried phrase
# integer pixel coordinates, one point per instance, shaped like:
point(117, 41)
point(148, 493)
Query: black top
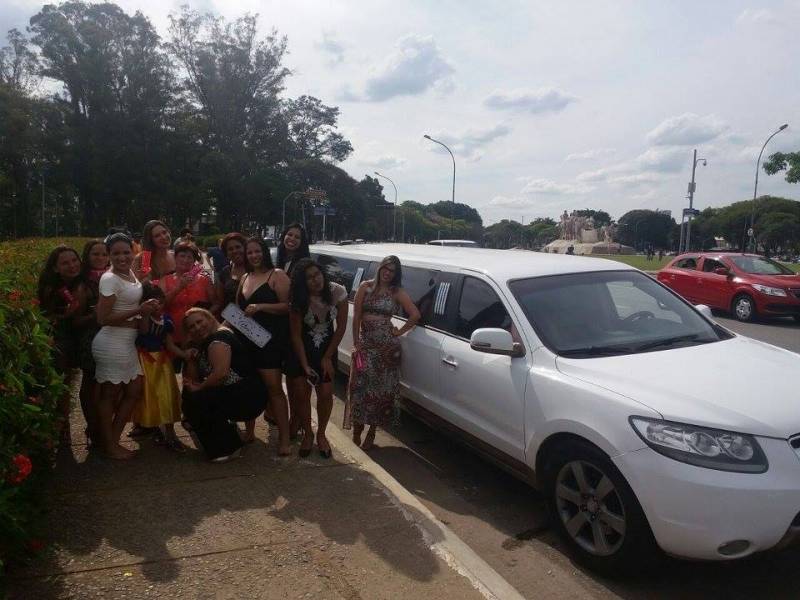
point(229, 285)
point(277, 325)
point(241, 362)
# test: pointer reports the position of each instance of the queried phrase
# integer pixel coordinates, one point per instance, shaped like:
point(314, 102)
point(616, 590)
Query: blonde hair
point(197, 310)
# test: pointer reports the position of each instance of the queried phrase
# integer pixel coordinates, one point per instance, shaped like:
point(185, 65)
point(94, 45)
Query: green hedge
point(29, 391)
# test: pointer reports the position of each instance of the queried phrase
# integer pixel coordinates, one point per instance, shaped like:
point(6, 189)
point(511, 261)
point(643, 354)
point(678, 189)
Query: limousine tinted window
point(342, 270)
point(480, 307)
point(420, 285)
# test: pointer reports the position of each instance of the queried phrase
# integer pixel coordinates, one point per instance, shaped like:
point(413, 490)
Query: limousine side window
point(421, 286)
point(480, 307)
point(346, 271)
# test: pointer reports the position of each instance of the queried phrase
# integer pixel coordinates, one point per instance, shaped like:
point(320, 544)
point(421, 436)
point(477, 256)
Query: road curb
point(440, 538)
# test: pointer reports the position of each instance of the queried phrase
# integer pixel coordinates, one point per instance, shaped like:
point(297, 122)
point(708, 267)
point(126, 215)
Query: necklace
point(126, 276)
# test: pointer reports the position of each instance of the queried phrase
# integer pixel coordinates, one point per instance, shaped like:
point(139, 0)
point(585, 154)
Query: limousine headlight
point(769, 291)
point(702, 446)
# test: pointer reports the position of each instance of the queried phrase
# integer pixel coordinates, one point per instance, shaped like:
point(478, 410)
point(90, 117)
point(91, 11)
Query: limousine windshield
point(607, 313)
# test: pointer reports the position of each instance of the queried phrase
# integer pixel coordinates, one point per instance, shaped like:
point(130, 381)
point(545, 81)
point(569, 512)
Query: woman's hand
point(251, 309)
point(148, 306)
point(327, 369)
point(191, 353)
point(190, 385)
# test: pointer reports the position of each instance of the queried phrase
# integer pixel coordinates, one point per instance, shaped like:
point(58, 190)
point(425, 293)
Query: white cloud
point(387, 162)
point(757, 16)
point(687, 129)
point(416, 66)
point(511, 202)
point(548, 186)
point(469, 144)
point(590, 154)
point(331, 46)
point(534, 101)
point(650, 165)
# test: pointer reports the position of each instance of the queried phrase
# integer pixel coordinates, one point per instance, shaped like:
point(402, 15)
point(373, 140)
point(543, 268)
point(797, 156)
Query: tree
point(788, 161)
point(779, 231)
point(312, 130)
point(600, 217)
point(117, 93)
point(18, 63)
point(641, 228)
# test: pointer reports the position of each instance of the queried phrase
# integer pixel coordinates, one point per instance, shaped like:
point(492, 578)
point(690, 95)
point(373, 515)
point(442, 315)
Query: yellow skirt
point(160, 403)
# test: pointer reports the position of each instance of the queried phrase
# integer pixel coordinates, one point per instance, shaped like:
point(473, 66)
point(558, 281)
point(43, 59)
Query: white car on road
point(645, 424)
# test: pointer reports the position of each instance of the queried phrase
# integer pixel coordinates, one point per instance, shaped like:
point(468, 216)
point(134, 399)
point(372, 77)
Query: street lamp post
point(453, 209)
point(283, 210)
point(692, 187)
point(755, 189)
point(394, 211)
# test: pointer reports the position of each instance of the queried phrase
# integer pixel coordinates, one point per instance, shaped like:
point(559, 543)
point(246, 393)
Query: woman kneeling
point(221, 387)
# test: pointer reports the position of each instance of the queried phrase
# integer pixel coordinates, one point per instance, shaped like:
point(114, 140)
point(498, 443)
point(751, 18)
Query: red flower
point(24, 468)
point(35, 545)
point(34, 400)
point(35, 302)
point(15, 295)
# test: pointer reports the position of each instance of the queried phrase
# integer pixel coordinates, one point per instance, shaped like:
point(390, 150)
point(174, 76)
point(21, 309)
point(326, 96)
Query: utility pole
point(42, 201)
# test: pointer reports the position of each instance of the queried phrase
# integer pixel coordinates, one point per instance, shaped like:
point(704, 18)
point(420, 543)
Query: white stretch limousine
point(644, 423)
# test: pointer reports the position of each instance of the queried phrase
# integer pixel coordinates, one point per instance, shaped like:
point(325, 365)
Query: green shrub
point(30, 389)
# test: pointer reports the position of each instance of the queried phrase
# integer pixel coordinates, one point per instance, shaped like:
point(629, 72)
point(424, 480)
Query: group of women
point(130, 322)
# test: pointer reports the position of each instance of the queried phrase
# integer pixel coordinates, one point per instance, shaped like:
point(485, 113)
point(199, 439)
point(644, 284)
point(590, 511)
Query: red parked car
point(747, 285)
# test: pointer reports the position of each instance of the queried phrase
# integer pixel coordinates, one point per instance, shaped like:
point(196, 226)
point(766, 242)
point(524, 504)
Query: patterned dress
point(375, 390)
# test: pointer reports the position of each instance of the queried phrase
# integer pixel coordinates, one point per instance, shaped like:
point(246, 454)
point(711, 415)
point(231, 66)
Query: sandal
point(139, 431)
point(175, 445)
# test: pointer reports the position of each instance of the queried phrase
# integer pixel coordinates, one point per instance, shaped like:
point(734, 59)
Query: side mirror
point(705, 311)
point(495, 341)
point(722, 271)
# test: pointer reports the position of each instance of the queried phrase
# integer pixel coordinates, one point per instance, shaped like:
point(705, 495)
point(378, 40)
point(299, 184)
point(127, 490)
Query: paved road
point(504, 521)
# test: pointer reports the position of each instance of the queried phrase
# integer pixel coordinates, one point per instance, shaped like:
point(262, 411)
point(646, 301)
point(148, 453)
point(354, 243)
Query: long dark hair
point(397, 280)
point(147, 233)
point(86, 264)
point(49, 280)
point(266, 257)
point(301, 252)
point(299, 296)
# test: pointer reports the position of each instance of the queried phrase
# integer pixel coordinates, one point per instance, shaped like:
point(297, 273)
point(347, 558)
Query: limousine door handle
point(450, 361)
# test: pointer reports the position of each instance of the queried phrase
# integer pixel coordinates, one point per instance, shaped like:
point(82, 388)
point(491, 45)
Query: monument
point(579, 235)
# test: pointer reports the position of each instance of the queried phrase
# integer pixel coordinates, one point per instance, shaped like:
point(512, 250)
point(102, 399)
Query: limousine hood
point(738, 384)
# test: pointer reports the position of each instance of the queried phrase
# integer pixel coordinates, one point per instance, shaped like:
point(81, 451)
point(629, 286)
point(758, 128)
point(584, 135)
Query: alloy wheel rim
point(743, 308)
point(590, 508)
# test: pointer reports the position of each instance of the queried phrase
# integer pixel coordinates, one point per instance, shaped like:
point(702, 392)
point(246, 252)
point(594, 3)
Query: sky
point(547, 106)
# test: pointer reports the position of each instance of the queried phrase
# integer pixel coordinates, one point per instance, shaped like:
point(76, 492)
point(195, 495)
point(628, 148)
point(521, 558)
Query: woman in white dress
point(114, 350)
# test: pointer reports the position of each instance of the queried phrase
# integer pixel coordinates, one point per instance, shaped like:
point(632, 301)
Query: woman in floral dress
point(375, 388)
point(317, 322)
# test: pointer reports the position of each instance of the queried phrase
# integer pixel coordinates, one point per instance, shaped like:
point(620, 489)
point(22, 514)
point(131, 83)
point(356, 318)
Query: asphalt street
point(504, 520)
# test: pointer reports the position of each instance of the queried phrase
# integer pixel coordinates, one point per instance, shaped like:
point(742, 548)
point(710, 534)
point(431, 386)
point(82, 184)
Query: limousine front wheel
point(595, 512)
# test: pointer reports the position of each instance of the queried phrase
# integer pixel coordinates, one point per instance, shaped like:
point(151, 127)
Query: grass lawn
point(641, 262)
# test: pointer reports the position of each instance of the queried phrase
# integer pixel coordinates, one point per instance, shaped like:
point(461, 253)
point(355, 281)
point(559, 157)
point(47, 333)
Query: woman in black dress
point(318, 320)
point(220, 387)
point(292, 248)
point(264, 295)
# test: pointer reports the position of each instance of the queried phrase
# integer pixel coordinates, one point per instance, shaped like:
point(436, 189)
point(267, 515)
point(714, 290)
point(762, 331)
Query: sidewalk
point(175, 526)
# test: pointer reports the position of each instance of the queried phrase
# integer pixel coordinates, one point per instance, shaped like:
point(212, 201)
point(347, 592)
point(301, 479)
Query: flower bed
point(29, 391)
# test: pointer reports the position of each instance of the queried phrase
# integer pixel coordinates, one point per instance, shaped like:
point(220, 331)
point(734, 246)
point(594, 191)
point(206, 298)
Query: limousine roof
point(500, 264)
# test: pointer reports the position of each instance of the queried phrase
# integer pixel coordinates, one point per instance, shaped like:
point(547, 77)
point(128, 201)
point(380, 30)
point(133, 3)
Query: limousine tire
point(595, 512)
point(744, 308)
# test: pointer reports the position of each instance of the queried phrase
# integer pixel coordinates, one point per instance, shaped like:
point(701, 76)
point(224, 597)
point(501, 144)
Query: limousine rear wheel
point(595, 512)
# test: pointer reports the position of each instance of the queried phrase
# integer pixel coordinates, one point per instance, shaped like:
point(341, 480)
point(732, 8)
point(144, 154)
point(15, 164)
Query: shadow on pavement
point(152, 511)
